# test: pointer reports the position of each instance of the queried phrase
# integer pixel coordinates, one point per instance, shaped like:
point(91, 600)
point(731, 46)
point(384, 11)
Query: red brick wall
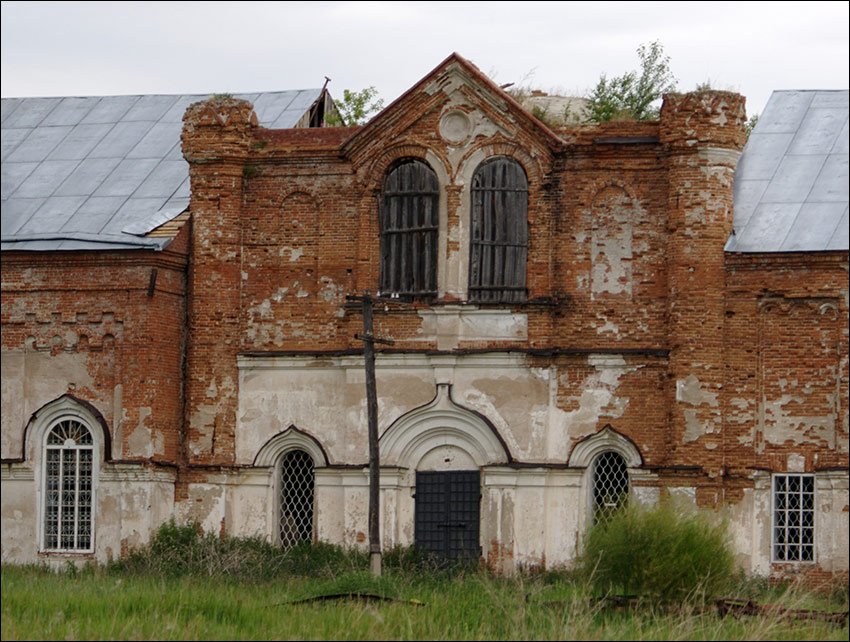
point(96, 307)
point(786, 361)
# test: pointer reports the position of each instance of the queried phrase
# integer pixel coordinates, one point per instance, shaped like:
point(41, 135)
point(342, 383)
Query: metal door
point(448, 513)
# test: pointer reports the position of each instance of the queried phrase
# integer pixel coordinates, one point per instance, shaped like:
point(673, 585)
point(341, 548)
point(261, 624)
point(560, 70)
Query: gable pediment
point(451, 111)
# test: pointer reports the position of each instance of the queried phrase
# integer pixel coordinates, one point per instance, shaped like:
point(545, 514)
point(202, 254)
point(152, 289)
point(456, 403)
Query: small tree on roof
point(355, 108)
point(632, 95)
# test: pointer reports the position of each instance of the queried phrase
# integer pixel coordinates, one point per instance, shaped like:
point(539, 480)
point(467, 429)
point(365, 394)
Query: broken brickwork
point(709, 370)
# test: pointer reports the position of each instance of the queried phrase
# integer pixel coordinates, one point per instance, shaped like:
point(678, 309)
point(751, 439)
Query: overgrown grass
point(660, 552)
point(101, 604)
point(187, 585)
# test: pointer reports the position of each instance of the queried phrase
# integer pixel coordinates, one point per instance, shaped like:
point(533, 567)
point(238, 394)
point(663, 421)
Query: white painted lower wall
point(131, 502)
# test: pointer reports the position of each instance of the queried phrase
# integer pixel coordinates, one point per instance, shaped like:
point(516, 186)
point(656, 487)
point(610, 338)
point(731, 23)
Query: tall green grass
point(187, 585)
point(99, 604)
point(662, 552)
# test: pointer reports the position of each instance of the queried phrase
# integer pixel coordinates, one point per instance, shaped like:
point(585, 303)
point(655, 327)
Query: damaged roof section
point(102, 172)
point(791, 185)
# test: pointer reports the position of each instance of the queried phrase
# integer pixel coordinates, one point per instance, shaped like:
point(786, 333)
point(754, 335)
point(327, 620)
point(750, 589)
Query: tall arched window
point(296, 498)
point(610, 485)
point(68, 489)
point(499, 241)
point(409, 222)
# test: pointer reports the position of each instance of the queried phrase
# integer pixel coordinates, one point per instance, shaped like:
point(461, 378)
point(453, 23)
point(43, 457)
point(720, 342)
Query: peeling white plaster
point(203, 419)
point(597, 399)
point(780, 426)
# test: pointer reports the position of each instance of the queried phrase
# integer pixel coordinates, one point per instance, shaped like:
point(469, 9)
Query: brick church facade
point(568, 332)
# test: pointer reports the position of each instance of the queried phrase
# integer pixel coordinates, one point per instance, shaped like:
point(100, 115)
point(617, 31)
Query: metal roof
point(791, 185)
point(98, 173)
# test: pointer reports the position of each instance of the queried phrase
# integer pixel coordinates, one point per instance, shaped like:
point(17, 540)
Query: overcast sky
point(107, 48)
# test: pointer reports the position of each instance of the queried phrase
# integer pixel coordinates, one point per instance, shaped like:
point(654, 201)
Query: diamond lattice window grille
point(794, 518)
point(610, 485)
point(296, 498)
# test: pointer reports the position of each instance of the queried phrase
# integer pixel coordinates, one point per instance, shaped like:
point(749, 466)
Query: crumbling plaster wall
point(626, 323)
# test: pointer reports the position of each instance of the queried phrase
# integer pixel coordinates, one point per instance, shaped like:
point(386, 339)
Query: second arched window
point(409, 222)
point(499, 233)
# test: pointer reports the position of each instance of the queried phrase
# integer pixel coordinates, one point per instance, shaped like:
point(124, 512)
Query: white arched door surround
point(416, 439)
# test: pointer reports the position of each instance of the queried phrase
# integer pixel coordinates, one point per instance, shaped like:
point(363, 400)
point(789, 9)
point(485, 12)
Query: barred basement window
point(68, 492)
point(296, 498)
point(499, 245)
point(610, 485)
point(793, 518)
point(409, 222)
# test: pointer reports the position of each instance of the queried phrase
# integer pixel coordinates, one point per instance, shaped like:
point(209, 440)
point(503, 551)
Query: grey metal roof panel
point(40, 142)
point(12, 175)
point(813, 227)
point(841, 236)
point(16, 213)
point(53, 214)
point(123, 137)
point(160, 140)
point(94, 215)
point(110, 109)
point(7, 107)
point(125, 178)
point(762, 165)
point(69, 111)
point(818, 131)
point(79, 142)
point(87, 176)
point(768, 222)
point(791, 186)
point(164, 180)
point(45, 179)
point(30, 112)
point(150, 108)
point(11, 139)
point(97, 165)
point(842, 143)
point(785, 111)
point(793, 179)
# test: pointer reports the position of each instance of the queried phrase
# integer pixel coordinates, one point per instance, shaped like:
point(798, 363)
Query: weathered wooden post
point(369, 340)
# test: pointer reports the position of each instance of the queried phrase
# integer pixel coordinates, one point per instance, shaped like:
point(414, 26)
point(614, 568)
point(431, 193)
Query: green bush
point(660, 552)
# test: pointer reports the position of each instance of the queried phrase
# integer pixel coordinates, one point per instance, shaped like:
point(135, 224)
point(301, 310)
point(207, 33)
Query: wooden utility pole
point(369, 341)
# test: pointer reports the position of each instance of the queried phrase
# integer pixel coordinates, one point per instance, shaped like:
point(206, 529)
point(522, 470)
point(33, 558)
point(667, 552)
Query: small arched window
point(409, 221)
point(296, 498)
point(68, 487)
point(499, 241)
point(610, 485)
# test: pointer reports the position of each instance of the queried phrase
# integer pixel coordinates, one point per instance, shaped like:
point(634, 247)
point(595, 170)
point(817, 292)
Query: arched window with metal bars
point(499, 232)
point(297, 481)
point(68, 487)
point(409, 221)
point(610, 485)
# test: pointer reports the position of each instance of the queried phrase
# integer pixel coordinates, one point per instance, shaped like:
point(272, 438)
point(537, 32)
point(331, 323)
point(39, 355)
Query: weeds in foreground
point(662, 552)
point(188, 585)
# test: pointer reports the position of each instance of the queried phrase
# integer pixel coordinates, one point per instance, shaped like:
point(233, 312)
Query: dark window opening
point(499, 241)
point(610, 485)
point(296, 498)
point(409, 222)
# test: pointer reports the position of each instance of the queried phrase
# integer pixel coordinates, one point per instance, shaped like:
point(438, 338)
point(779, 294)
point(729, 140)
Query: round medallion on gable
point(455, 126)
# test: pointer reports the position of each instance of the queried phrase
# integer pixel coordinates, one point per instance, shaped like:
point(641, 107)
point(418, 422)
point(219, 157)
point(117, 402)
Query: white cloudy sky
point(102, 48)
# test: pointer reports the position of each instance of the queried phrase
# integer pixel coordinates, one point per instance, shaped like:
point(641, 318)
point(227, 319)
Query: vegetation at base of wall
point(661, 552)
point(101, 603)
point(184, 550)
